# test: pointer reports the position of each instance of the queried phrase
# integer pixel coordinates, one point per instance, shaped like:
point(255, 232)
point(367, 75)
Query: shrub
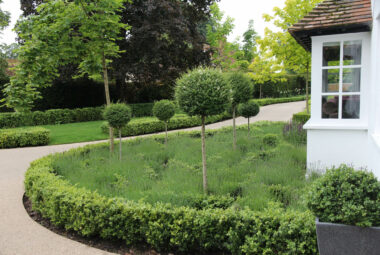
point(346, 196)
point(202, 92)
point(249, 110)
point(270, 140)
point(13, 138)
point(294, 133)
point(164, 110)
point(163, 227)
point(301, 117)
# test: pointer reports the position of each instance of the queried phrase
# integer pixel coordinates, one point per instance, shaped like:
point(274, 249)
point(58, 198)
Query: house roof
point(333, 17)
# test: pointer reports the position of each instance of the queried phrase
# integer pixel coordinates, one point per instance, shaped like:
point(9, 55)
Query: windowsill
point(335, 125)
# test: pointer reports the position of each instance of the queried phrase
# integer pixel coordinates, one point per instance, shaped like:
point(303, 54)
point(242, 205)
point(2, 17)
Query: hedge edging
point(164, 227)
point(13, 138)
point(64, 116)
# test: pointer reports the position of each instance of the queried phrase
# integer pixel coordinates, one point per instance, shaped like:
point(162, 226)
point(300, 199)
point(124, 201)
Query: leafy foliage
point(249, 109)
point(23, 137)
point(203, 92)
point(241, 88)
point(117, 115)
point(344, 195)
point(271, 140)
point(164, 110)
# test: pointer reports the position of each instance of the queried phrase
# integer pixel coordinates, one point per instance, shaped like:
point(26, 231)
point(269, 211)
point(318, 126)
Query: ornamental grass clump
point(118, 116)
point(241, 91)
point(202, 92)
point(344, 195)
point(248, 110)
point(164, 110)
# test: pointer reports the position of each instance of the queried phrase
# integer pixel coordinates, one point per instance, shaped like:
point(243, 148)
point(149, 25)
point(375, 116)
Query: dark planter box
point(339, 239)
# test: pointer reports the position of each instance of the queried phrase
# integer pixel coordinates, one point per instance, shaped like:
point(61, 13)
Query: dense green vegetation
point(264, 168)
point(22, 137)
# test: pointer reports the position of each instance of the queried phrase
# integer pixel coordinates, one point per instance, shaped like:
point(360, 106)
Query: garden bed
point(252, 212)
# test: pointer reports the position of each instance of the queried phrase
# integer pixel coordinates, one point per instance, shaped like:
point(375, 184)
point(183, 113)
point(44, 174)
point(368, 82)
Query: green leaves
point(346, 196)
point(117, 115)
point(164, 110)
point(241, 88)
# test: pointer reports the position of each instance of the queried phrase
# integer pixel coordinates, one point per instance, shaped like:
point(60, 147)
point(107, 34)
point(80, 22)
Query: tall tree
point(9, 50)
point(282, 45)
point(82, 32)
point(249, 42)
point(163, 42)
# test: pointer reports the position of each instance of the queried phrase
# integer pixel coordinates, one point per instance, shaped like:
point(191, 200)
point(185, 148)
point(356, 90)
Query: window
point(341, 78)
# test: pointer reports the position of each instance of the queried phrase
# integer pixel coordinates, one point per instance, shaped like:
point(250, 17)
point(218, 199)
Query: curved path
point(20, 235)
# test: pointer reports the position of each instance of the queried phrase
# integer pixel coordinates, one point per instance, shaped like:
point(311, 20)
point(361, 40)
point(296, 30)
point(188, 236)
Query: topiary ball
point(164, 110)
point(249, 109)
point(117, 115)
point(203, 92)
point(241, 88)
point(346, 196)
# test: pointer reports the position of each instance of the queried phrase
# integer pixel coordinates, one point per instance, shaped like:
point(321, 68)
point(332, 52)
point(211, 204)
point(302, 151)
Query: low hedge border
point(141, 127)
point(164, 227)
point(64, 116)
point(301, 117)
point(23, 137)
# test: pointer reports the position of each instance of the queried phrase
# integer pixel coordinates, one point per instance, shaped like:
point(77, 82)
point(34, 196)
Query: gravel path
point(20, 235)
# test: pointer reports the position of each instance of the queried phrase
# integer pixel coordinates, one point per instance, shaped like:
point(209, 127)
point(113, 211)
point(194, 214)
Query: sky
point(241, 10)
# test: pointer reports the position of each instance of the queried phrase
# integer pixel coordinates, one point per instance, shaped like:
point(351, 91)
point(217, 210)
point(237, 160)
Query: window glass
point(330, 82)
point(330, 107)
point(351, 79)
point(351, 107)
point(331, 54)
point(352, 53)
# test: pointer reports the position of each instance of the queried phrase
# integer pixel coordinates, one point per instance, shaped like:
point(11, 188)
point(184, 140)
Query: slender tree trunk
point(108, 100)
point(261, 91)
point(307, 88)
point(234, 125)
point(248, 127)
point(166, 132)
point(120, 144)
point(205, 188)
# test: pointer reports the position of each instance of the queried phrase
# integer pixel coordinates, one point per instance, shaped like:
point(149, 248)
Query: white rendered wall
point(328, 148)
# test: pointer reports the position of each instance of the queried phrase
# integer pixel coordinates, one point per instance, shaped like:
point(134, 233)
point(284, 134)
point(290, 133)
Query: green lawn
point(253, 175)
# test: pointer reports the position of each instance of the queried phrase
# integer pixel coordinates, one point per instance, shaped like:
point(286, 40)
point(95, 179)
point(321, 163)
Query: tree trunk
point(234, 125)
point(166, 132)
point(261, 91)
point(108, 100)
point(120, 144)
point(307, 89)
point(204, 156)
point(248, 127)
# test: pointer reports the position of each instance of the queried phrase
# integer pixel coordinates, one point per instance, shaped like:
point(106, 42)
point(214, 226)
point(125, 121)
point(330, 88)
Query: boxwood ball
point(117, 115)
point(164, 110)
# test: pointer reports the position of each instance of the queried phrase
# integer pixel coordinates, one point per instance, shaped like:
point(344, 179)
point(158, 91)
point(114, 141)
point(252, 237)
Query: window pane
point(352, 53)
point(330, 107)
point(351, 107)
point(330, 81)
point(331, 54)
point(351, 79)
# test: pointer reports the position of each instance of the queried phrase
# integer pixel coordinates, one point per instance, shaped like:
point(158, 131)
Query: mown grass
point(253, 175)
point(84, 131)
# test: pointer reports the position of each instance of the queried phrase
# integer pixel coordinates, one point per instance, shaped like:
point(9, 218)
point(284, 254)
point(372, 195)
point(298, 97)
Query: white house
point(344, 39)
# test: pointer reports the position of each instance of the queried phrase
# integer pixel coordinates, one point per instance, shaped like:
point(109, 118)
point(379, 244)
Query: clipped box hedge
point(149, 126)
point(164, 227)
point(268, 101)
point(301, 117)
point(23, 137)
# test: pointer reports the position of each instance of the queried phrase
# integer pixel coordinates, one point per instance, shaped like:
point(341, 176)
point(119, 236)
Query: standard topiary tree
point(118, 116)
point(164, 110)
point(241, 92)
point(248, 110)
point(202, 92)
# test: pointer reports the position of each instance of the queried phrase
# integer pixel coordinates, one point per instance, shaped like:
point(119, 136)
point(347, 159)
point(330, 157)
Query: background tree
point(164, 41)
point(282, 45)
point(164, 110)
point(118, 116)
point(249, 42)
point(202, 92)
point(241, 91)
point(9, 50)
point(248, 110)
point(82, 33)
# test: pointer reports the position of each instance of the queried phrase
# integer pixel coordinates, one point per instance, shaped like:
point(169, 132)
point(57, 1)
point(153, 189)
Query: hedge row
point(13, 138)
point(301, 117)
point(268, 101)
point(164, 227)
point(149, 126)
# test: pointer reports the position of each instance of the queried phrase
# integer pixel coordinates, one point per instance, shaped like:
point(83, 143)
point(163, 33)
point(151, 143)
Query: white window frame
point(316, 120)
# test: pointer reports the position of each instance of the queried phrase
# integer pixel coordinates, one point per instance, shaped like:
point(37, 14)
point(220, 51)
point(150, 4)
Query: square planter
point(339, 239)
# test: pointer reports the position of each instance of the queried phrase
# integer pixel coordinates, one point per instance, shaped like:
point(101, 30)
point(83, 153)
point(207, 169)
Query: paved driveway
point(20, 235)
